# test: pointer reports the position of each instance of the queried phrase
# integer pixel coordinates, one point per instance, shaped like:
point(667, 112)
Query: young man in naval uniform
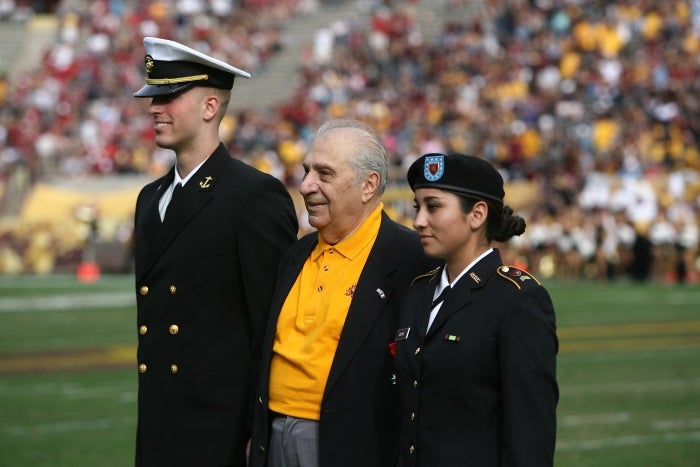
point(208, 238)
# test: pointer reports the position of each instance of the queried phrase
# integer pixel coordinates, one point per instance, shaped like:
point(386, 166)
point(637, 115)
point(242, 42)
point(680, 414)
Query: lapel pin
point(350, 292)
point(452, 338)
point(205, 183)
point(381, 294)
point(402, 334)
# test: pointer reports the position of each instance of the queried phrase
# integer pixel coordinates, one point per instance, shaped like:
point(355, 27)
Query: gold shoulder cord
point(427, 274)
point(502, 271)
point(502, 274)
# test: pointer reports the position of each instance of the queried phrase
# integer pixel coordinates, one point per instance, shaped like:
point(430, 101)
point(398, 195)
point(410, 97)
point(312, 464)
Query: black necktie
point(441, 298)
point(176, 191)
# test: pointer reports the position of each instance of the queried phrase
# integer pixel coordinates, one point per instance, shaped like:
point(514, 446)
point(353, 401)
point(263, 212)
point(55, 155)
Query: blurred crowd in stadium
point(590, 109)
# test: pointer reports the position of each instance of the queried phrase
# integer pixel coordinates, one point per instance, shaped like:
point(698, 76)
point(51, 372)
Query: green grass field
point(629, 373)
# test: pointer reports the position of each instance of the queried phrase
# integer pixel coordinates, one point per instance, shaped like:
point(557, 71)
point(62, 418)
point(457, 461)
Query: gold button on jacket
point(174, 329)
point(143, 290)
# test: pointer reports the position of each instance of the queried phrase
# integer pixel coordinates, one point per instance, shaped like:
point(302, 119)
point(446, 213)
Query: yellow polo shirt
point(312, 318)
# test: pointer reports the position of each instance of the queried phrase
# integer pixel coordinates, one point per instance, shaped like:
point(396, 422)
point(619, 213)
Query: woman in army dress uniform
point(476, 345)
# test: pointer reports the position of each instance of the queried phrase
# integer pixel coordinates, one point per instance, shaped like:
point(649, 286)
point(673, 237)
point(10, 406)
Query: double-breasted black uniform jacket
point(204, 279)
point(358, 424)
point(479, 388)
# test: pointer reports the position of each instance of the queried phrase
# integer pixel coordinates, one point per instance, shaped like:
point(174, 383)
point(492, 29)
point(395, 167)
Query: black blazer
point(359, 424)
point(479, 388)
point(204, 279)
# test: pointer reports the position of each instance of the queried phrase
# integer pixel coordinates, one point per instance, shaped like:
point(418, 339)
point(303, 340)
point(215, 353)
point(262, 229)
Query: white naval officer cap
point(172, 67)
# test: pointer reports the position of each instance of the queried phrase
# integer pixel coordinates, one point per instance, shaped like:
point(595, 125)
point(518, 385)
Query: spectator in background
point(208, 238)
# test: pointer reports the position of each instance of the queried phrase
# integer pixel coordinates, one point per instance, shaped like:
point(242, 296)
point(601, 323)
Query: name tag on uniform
point(402, 334)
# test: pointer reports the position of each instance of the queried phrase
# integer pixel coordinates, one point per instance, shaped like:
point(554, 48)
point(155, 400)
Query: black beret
point(172, 67)
point(466, 175)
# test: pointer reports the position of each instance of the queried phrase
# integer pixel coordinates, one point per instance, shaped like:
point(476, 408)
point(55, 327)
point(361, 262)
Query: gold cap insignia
point(149, 64)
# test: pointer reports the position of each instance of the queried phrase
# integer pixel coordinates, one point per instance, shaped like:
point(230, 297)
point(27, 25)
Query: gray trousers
point(293, 442)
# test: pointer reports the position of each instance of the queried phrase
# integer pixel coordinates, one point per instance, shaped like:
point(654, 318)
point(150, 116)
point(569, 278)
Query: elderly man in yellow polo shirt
point(327, 394)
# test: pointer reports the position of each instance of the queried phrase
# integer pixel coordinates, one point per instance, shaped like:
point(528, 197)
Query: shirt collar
point(177, 179)
point(356, 242)
point(443, 277)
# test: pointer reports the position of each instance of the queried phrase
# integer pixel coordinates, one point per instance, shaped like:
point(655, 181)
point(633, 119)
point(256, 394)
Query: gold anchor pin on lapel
point(205, 183)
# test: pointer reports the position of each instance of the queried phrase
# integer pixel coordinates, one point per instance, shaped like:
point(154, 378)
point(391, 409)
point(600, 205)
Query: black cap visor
point(153, 90)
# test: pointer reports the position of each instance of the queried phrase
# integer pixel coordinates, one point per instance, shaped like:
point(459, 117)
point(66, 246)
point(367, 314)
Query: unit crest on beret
point(428, 275)
point(459, 173)
point(516, 276)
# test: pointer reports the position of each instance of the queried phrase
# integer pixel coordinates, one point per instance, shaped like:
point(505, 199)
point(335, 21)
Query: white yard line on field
point(595, 419)
point(663, 425)
point(63, 302)
point(64, 427)
point(636, 387)
point(631, 440)
point(684, 298)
